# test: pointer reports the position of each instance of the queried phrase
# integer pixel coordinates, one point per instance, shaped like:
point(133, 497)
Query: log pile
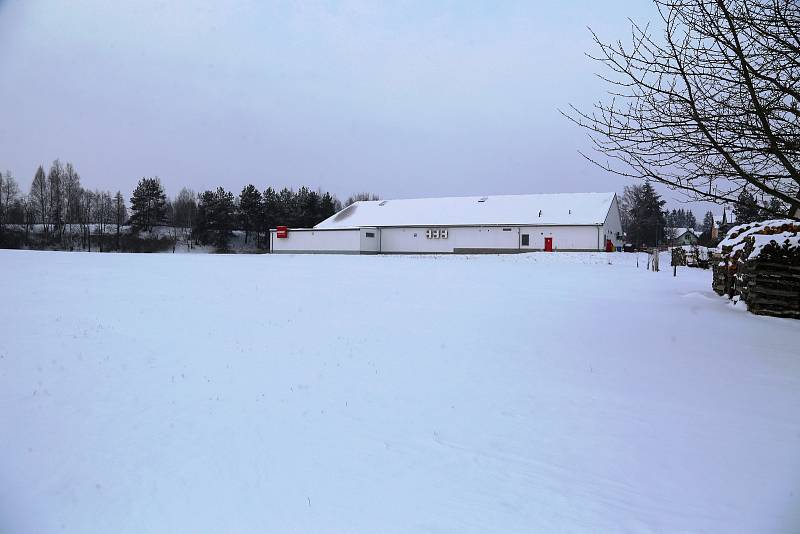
point(770, 288)
point(723, 277)
point(761, 264)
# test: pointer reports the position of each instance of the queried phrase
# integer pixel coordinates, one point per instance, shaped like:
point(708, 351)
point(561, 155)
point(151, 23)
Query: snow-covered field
point(532, 393)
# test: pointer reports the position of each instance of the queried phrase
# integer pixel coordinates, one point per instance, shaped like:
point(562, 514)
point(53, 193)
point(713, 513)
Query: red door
point(548, 244)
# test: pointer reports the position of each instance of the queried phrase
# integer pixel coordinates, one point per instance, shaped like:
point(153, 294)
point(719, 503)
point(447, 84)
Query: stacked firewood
point(723, 279)
point(770, 288)
point(763, 271)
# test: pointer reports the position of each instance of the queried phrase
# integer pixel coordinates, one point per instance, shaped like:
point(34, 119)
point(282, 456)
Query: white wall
point(414, 240)
point(564, 237)
point(339, 241)
point(370, 240)
point(612, 228)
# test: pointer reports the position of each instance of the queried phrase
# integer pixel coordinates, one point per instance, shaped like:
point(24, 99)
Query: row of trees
point(680, 218)
point(748, 210)
point(213, 215)
point(60, 211)
point(646, 222)
point(60, 206)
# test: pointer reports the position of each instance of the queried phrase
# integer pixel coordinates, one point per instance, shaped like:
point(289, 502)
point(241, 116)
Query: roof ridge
point(490, 196)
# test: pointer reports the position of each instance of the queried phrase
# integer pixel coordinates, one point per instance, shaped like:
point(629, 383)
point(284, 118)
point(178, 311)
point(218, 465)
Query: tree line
point(58, 212)
point(647, 223)
point(58, 209)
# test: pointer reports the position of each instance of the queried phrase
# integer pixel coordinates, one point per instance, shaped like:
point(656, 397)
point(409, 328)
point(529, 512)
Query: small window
point(526, 240)
point(506, 229)
point(370, 234)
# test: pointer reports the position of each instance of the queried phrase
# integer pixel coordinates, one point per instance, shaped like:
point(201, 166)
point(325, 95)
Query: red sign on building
point(282, 232)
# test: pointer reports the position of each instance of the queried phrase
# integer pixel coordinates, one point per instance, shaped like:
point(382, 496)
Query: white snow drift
point(532, 393)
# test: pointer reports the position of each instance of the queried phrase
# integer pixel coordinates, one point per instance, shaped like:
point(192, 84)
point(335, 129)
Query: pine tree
point(691, 221)
point(774, 209)
point(216, 217)
point(270, 215)
point(746, 210)
point(708, 222)
point(310, 209)
point(287, 211)
point(327, 206)
point(250, 210)
point(647, 218)
point(148, 204)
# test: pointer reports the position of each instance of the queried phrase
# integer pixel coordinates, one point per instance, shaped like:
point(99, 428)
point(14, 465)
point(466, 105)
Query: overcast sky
point(406, 99)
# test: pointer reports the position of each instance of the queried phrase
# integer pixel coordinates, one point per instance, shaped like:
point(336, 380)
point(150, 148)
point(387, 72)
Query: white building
point(684, 236)
point(492, 224)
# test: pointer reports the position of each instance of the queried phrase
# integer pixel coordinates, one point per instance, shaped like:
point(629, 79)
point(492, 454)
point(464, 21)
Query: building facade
point(685, 236)
point(463, 225)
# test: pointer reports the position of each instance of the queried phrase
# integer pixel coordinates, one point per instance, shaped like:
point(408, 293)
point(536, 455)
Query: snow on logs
point(760, 262)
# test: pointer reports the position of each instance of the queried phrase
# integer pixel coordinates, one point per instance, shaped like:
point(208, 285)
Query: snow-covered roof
point(528, 210)
point(680, 231)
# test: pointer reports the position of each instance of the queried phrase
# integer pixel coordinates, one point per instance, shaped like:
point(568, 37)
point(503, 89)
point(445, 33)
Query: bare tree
point(40, 196)
point(9, 191)
point(103, 214)
point(87, 204)
point(30, 210)
point(172, 223)
point(357, 197)
point(709, 107)
point(120, 214)
point(72, 196)
point(56, 207)
point(185, 213)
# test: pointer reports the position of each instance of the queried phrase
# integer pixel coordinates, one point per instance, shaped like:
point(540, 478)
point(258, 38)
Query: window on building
point(370, 234)
point(526, 240)
point(506, 229)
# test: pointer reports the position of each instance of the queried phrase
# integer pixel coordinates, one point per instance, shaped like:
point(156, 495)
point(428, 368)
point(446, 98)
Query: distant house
point(685, 236)
point(453, 225)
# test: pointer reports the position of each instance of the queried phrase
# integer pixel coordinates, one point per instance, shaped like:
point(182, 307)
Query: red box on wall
point(282, 232)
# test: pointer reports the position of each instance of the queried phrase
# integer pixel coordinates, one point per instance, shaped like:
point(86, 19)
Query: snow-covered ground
point(531, 393)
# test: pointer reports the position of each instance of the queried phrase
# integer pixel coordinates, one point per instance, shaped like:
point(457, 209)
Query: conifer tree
point(746, 210)
point(708, 222)
point(271, 213)
point(647, 218)
point(774, 208)
point(327, 206)
point(250, 210)
point(691, 221)
point(148, 205)
point(216, 217)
